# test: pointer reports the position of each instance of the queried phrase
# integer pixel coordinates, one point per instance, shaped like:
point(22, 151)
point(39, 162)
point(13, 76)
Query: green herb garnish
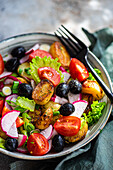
point(91, 76)
point(20, 71)
point(27, 70)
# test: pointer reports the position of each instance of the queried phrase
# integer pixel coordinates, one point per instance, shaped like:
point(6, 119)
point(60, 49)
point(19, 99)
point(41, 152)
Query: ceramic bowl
point(28, 40)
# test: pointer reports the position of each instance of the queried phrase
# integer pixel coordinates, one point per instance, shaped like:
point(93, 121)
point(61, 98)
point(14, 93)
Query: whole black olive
point(12, 64)
point(62, 90)
point(66, 109)
point(11, 144)
point(18, 52)
point(25, 90)
point(58, 143)
point(75, 86)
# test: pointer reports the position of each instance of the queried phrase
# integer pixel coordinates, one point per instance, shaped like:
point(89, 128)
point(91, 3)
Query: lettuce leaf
point(44, 62)
point(91, 76)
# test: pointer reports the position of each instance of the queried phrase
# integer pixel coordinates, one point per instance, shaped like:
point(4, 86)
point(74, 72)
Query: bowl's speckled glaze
point(28, 40)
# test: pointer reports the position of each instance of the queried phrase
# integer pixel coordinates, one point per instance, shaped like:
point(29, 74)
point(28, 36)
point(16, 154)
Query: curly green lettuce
point(44, 62)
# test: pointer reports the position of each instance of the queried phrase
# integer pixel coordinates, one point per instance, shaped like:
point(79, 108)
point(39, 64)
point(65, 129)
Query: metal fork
point(78, 49)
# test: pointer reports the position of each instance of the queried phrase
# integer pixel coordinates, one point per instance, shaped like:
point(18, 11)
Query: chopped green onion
point(29, 126)
point(20, 71)
point(25, 115)
point(14, 74)
point(1, 94)
point(15, 86)
point(27, 70)
point(56, 113)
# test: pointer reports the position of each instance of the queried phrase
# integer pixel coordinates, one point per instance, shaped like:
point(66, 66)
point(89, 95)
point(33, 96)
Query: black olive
point(18, 52)
point(12, 64)
point(66, 109)
point(58, 143)
point(11, 144)
point(25, 90)
point(75, 86)
point(62, 90)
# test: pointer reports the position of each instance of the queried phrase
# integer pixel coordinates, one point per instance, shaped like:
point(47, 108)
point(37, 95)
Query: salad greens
point(91, 76)
point(44, 62)
point(96, 112)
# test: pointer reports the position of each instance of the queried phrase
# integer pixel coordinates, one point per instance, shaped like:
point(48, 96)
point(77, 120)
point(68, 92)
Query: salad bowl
point(28, 40)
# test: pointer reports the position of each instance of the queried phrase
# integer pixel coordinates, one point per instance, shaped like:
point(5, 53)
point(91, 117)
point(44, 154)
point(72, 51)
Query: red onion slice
point(5, 74)
point(35, 47)
point(14, 79)
point(24, 59)
point(47, 133)
point(1, 85)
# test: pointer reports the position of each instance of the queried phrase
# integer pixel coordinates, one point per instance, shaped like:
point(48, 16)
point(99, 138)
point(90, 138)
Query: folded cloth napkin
point(97, 155)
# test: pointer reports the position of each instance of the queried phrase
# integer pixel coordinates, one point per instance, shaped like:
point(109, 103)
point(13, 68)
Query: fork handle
point(107, 91)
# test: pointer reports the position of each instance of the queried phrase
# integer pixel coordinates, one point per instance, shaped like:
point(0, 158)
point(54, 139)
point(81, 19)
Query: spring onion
point(15, 86)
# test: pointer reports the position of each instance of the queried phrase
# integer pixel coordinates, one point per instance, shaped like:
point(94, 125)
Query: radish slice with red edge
point(62, 69)
point(8, 122)
point(13, 133)
point(22, 150)
point(24, 59)
point(47, 133)
point(50, 145)
point(58, 99)
point(35, 47)
point(8, 81)
point(66, 76)
point(5, 74)
point(7, 57)
point(54, 133)
point(80, 106)
point(9, 98)
point(21, 139)
point(74, 97)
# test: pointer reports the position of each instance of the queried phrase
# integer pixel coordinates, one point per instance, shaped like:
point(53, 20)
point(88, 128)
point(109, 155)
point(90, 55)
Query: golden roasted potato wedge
point(53, 105)
point(45, 119)
point(35, 115)
point(54, 119)
point(92, 87)
point(43, 92)
point(57, 50)
point(79, 136)
point(24, 71)
point(22, 80)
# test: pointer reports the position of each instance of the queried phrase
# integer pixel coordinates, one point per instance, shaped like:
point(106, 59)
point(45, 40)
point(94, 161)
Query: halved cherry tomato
point(19, 122)
point(5, 110)
point(1, 64)
point(40, 53)
point(50, 74)
point(37, 144)
point(78, 70)
point(68, 125)
point(1, 106)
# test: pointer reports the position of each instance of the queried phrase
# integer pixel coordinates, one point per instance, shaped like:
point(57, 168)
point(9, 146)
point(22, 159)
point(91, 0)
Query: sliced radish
point(21, 139)
point(62, 69)
point(35, 131)
point(8, 119)
point(9, 98)
point(22, 150)
point(6, 90)
point(7, 57)
point(59, 100)
point(74, 97)
point(5, 74)
point(50, 145)
point(13, 133)
point(44, 47)
point(8, 81)
point(66, 76)
point(24, 59)
point(54, 133)
point(35, 47)
point(80, 106)
point(47, 133)
point(33, 84)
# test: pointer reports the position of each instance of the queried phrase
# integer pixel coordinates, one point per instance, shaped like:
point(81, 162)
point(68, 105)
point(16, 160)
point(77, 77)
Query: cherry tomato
point(78, 70)
point(37, 144)
point(1, 65)
point(50, 74)
point(1, 106)
point(40, 53)
point(67, 125)
point(5, 110)
point(19, 122)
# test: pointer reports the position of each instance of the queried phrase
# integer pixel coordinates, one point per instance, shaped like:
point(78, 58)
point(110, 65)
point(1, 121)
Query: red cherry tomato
point(19, 122)
point(37, 144)
point(1, 106)
point(68, 125)
point(1, 65)
point(40, 53)
point(50, 74)
point(78, 70)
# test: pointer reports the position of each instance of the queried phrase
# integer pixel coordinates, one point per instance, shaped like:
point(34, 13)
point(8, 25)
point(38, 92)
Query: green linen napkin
point(97, 155)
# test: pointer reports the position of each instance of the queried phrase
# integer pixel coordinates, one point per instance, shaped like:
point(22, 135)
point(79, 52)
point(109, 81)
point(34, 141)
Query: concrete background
point(23, 16)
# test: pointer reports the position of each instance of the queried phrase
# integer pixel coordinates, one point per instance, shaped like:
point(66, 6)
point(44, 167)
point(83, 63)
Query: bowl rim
point(72, 149)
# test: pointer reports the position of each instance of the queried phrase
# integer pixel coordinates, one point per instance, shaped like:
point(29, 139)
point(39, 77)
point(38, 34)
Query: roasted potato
point(54, 119)
point(35, 115)
point(92, 87)
point(53, 105)
point(43, 92)
point(79, 136)
point(57, 50)
point(45, 120)
point(89, 99)
point(22, 71)
point(22, 80)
